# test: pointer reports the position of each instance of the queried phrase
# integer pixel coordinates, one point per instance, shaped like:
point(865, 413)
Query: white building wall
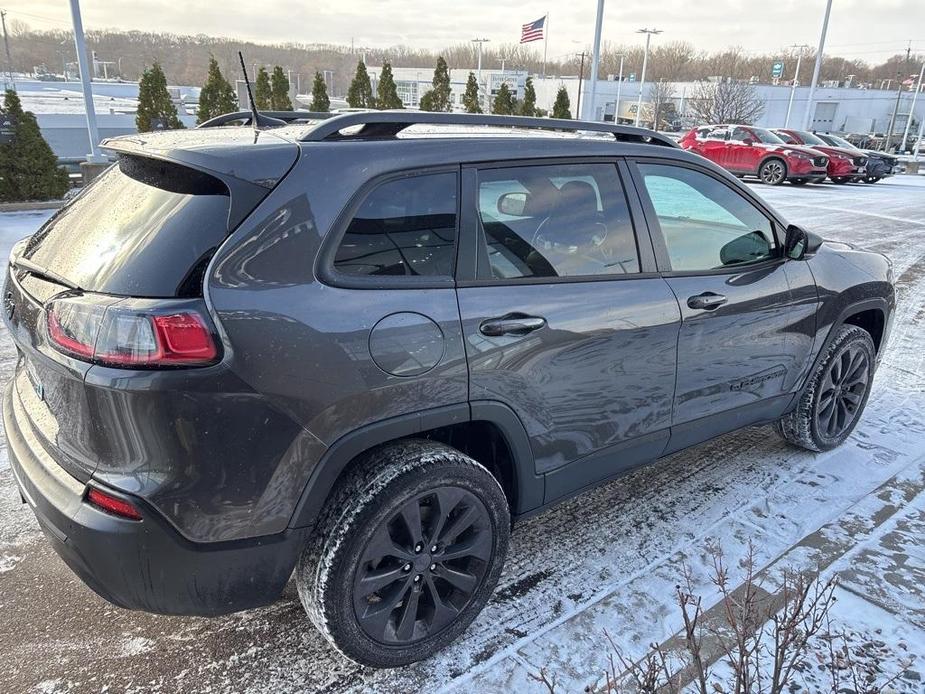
point(855, 110)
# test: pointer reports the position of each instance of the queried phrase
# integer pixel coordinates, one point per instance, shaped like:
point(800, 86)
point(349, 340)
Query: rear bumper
point(144, 565)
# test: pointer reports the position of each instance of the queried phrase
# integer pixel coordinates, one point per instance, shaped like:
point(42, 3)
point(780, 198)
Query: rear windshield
point(145, 228)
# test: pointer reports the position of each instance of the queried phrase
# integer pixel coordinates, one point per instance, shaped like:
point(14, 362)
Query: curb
point(826, 544)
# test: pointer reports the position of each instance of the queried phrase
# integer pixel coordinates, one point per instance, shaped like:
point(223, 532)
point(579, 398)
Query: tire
point(772, 171)
point(839, 179)
point(871, 179)
point(798, 181)
point(455, 499)
point(829, 396)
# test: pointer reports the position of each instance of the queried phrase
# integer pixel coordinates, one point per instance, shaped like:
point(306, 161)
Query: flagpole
point(545, 44)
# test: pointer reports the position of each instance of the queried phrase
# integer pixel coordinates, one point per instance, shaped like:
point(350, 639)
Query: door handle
point(511, 324)
point(708, 301)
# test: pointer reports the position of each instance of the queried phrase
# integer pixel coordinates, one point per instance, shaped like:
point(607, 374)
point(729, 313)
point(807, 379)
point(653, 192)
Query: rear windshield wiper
point(39, 271)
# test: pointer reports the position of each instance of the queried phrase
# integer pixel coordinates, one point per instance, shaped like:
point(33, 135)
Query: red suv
point(844, 164)
point(747, 150)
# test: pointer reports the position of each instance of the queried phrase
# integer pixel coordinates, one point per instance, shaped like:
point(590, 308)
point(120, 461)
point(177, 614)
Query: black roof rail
point(387, 124)
point(246, 116)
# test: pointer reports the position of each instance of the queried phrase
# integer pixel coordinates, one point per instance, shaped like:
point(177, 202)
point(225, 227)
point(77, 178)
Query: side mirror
point(799, 243)
point(750, 141)
point(513, 204)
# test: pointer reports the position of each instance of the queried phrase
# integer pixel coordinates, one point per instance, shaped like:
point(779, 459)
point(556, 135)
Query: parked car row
point(779, 155)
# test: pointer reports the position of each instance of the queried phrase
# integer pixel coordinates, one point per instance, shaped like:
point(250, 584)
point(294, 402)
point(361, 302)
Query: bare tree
point(726, 102)
point(661, 94)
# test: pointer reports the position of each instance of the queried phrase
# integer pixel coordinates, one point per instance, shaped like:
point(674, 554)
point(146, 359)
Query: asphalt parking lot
point(608, 558)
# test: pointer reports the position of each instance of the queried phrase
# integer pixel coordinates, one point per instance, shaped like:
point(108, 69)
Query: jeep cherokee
point(352, 350)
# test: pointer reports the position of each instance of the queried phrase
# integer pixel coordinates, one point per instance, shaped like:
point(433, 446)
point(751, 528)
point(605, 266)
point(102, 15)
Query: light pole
point(918, 88)
point(590, 102)
point(818, 66)
point(95, 156)
point(616, 113)
point(6, 43)
point(645, 62)
point(581, 74)
point(793, 85)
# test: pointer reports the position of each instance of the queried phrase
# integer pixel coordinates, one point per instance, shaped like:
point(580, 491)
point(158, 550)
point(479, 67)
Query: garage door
point(824, 118)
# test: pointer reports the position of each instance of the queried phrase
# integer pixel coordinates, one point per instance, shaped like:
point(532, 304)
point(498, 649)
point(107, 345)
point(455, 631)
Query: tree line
point(439, 97)
point(186, 59)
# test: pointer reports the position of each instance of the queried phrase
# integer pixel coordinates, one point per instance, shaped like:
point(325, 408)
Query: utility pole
point(793, 85)
point(915, 96)
point(817, 67)
point(6, 43)
point(616, 113)
point(595, 62)
point(645, 62)
point(581, 75)
point(95, 156)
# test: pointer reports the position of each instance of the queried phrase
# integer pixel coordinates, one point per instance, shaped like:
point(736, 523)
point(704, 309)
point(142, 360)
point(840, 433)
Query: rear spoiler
point(260, 157)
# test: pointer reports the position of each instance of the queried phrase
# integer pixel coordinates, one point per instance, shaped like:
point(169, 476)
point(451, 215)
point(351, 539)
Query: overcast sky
point(868, 29)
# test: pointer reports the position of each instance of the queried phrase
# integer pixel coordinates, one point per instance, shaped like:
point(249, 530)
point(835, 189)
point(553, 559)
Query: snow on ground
point(609, 558)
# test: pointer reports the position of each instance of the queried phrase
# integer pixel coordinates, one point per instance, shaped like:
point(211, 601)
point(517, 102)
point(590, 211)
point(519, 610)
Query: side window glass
point(404, 227)
point(567, 220)
point(739, 135)
point(705, 223)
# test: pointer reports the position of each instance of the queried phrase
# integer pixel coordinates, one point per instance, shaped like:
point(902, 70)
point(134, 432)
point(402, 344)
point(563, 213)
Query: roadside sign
point(777, 69)
point(7, 128)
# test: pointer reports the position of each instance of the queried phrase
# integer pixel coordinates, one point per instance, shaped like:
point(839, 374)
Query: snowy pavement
point(610, 558)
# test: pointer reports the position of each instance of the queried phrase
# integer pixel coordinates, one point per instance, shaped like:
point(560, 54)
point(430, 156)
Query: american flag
point(533, 31)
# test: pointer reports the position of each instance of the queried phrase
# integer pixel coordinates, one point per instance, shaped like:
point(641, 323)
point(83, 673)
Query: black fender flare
point(529, 487)
point(846, 312)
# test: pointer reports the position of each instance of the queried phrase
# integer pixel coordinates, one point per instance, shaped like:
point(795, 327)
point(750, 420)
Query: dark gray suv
point(356, 348)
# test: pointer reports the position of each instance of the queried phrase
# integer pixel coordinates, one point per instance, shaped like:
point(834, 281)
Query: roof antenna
point(258, 120)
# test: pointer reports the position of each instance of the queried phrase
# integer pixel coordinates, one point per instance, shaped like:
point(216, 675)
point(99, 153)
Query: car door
point(744, 157)
point(747, 312)
point(712, 144)
point(565, 320)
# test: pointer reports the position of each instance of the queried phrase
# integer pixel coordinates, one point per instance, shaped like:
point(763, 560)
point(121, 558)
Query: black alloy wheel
point(772, 172)
point(423, 566)
point(408, 550)
point(842, 391)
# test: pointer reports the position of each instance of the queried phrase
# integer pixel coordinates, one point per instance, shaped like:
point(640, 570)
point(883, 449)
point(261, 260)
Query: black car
point(879, 164)
point(355, 349)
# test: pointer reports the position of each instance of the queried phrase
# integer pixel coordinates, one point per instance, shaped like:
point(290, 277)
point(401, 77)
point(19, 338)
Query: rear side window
point(145, 228)
point(404, 227)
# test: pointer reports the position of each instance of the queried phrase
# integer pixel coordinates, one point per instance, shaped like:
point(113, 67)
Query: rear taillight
point(112, 504)
point(130, 333)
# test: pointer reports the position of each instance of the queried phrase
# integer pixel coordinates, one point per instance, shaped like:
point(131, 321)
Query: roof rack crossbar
point(387, 124)
point(246, 116)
